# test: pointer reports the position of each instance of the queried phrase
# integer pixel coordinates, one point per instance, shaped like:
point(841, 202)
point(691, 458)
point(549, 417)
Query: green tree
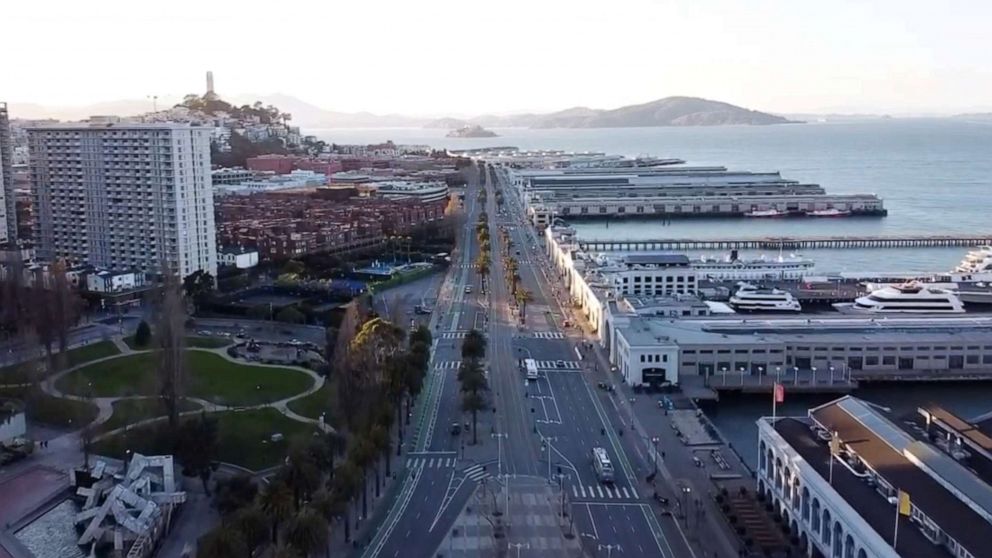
point(259, 312)
point(223, 542)
point(277, 503)
point(198, 287)
point(523, 296)
point(253, 525)
point(294, 267)
point(301, 473)
point(290, 315)
point(196, 447)
point(307, 532)
point(143, 335)
point(234, 493)
point(474, 345)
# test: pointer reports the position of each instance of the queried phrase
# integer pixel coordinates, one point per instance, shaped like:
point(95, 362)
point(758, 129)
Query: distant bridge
point(786, 243)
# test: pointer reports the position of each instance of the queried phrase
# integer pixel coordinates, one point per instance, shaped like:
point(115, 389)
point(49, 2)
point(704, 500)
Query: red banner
point(779, 393)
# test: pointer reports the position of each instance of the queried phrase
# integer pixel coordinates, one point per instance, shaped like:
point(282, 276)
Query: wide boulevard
point(539, 430)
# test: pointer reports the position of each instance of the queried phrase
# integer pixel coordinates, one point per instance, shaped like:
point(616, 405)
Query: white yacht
point(913, 297)
point(765, 213)
point(976, 261)
point(750, 298)
point(733, 268)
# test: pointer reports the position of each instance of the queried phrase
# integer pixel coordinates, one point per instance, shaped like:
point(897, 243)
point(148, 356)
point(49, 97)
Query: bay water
point(935, 175)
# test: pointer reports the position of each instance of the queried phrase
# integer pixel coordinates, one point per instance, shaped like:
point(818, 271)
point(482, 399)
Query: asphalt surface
point(562, 414)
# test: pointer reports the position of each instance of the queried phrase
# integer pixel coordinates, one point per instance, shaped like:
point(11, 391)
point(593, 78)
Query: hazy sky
point(467, 57)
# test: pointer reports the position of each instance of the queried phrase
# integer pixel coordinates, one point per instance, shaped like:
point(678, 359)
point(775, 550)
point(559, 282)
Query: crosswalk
point(603, 492)
point(477, 472)
point(453, 335)
point(447, 365)
point(558, 365)
point(548, 335)
point(431, 462)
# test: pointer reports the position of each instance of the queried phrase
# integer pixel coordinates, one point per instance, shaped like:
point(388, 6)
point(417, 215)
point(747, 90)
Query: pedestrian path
point(477, 473)
point(548, 335)
point(603, 492)
point(431, 462)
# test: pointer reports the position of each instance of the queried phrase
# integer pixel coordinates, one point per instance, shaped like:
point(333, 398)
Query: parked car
point(560, 364)
point(456, 429)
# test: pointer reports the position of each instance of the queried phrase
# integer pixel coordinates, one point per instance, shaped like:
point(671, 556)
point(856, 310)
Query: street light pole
point(654, 442)
point(609, 548)
point(518, 546)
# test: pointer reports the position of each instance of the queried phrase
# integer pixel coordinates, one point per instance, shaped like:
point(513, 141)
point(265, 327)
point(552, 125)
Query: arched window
point(795, 493)
point(816, 515)
point(838, 540)
point(849, 547)
point(826, 528)
point(763, 458)
point(771, 466)
point(862, 553)
point(778, 474)
point(805, 499)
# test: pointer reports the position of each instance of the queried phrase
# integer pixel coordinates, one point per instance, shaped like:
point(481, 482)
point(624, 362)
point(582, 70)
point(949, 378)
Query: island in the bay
point(471, 132)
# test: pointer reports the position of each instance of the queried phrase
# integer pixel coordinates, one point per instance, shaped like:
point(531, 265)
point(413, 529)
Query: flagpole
point(830, 481)
point(895, 532)
point(774, 400)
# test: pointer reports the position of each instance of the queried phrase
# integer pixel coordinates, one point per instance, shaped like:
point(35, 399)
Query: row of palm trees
point(473, 378)
point(512, 267)
point(317, 487)
point(483, 262)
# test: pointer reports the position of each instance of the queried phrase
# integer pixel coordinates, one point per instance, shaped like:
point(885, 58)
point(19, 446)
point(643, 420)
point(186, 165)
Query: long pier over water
point(786, 243)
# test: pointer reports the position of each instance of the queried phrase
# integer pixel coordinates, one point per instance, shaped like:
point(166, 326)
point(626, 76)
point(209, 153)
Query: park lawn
point(18, 373)
point(209, 376)
point(320, 401)
point(130, 411)
point(53, 411)
point(244, 438)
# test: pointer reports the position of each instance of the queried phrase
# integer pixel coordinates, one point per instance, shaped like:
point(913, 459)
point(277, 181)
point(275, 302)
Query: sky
point(465, 57)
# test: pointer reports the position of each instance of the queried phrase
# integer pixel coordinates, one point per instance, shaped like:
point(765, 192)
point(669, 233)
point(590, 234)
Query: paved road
point(562, 414)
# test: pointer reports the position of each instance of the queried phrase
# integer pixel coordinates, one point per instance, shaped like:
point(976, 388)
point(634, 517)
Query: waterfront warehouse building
point(842, 476)
point(832, 347)
point(124, 196)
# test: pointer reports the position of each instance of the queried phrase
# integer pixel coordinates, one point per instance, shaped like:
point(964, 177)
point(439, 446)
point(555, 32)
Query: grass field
point(52, 411)
point(19, 373)
point(130, 411)
point(244, 438)
point(316, 403)
point(209, 376)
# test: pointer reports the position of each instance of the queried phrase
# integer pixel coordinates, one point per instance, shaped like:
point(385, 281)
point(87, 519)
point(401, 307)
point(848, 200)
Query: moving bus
point(530, 368)
point(602, 465)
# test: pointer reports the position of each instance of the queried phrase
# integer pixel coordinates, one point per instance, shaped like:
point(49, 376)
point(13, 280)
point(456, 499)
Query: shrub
point(143, 335)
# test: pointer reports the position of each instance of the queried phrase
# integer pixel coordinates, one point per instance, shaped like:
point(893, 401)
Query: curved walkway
point(105, 405)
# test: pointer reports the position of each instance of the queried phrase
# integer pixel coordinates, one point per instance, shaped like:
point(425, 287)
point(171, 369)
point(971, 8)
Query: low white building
point(106, 281)
point(241, 258)
point(294, 180)
point(13, 424)
point(843, 476)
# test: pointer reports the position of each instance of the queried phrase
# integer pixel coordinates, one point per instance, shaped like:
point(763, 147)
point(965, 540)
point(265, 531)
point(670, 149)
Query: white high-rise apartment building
point(8, 216)
point(124, 196)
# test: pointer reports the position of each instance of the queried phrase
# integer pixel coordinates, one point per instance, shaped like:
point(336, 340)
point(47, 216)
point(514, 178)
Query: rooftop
point(939, 487)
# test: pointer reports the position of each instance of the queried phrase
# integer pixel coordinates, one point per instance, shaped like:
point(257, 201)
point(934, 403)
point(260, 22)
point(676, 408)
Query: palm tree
point(473, 402)
point(523, 296)
point(253, 525)
point(362, 454)
point(223, 542)
point(301, 473)
point(474, 345)
point(307, 531)
point(343, 489)
point(277, 503)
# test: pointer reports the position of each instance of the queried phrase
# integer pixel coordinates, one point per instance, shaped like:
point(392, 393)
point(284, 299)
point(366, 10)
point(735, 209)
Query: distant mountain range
point(670, 111)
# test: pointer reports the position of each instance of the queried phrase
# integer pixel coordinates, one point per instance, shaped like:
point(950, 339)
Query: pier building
point(849, 480)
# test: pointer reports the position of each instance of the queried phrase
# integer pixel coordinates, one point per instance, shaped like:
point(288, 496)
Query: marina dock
point(785, 243)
